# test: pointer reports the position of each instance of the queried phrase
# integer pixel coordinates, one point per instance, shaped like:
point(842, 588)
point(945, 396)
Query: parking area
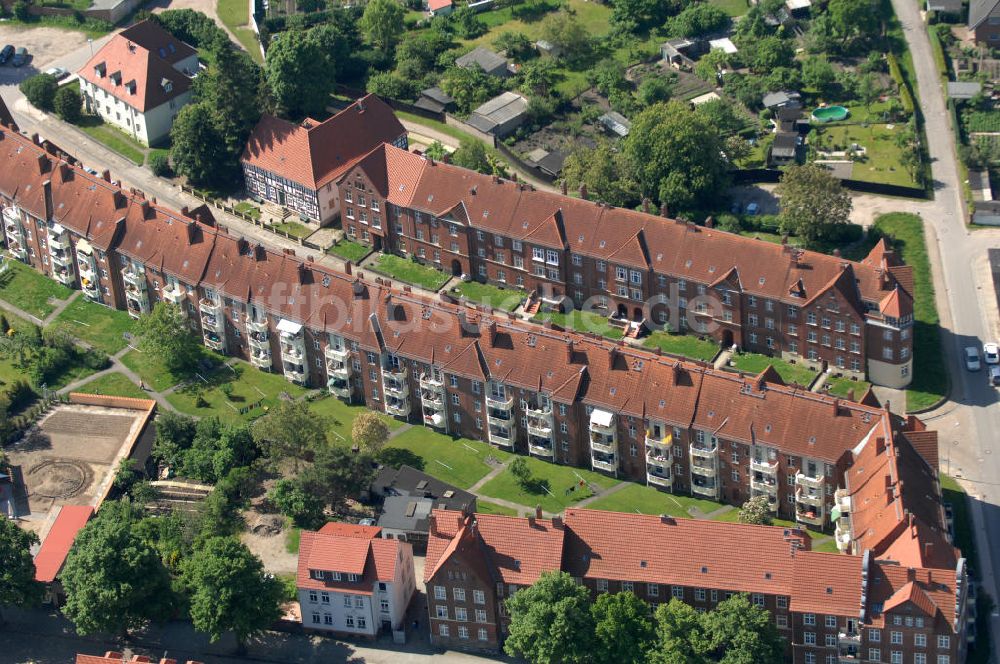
point(45, 46)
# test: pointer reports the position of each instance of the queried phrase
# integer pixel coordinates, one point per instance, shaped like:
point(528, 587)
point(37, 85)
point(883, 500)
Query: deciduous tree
point(680, 636)
point(164, 334)
point(740, 633)
point(67, 104)
point(623, 628)
point(369, 432)
point(17, 567)
point(756, 510)
point(551, 622)
point(292, 430)
point(813, 203)
point(198, 148)
point(382, 23)
point(299, 74)
point(40, 91)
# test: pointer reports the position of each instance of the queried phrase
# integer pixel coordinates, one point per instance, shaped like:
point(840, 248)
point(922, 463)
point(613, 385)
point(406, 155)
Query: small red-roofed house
point(352, 582)
point(56, 545)
point(439, 7)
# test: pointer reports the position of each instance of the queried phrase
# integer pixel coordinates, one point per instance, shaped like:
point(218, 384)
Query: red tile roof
point(932, 591)
point(314, 153)
point(52, 554)
point(134, 70)
point(434, 5)
point(350, 530)
point(826, 583)
point(348, 550)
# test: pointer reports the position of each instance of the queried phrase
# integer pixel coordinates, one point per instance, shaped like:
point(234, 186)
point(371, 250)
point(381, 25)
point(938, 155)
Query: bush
point(159, 164)
point(21, 12)
point(67, 104)
point(905, 96)
point(96, 359)
point(20, 394)
point(40, 90)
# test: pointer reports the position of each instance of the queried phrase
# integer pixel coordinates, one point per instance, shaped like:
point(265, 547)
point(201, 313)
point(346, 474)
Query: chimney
point(144, 206)
point(667, 520)
point(928, 550)
point(49, 207)
point(120, 199)
point(678, 373)
point(645, 205)
point(569, 352)
point(709, 222)
point(513, 177)
point(185, 211)
point(612, 356)
point(491, 331)
point(538, 511)
point(850, 395)
point(531, 521)
point(465, 327)
point(557, 522)
point(664, 212)
point(583, 191)
point(44, 165)
point(784, 240)
point(432, 522)
point(106, 175)
point(35, 139)
point(192, 233)
point(303, 273)
point(836, 407)
point(562, 187)
point(836, 252)
point(911, 574)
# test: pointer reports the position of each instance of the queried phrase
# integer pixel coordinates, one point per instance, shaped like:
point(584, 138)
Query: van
point(20, 57)
point(5, 54)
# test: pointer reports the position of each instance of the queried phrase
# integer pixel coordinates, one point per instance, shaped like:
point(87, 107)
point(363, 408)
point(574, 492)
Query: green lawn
point(350, 250)
point(113, 138)
point(581, 321)
point(235, 15)
point(486, 507)
point(930, 380)
point(562, 482)
point(458, 461)
point(339, 417)
point(114, 384)
point(151, 370)
point(685, 345)
point(293, 228)
point(249, 209)
point(790, 373)
point(829, 546)
point(96, 324)
point(30, 291)
point(882, 160)
point(647, 500)
point(249, 386)
point(732, 7)
point(839, 387)
point(410, 271)
point(507, 299)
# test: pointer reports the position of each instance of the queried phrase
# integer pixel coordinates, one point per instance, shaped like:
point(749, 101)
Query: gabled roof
point(52, 554)
point(315, 153)
point(347, 549)
point(980, 10)
point(483, 58)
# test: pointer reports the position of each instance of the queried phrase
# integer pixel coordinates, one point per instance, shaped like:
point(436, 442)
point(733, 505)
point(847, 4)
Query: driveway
point(46, 46)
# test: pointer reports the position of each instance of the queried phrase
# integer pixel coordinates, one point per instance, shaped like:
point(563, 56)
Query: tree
point(604, 171)
point(565, 31)
point(515, 45)
point(723, 115)
point(819, 74)
point(390, 85)
point(292, 429)
point(813, 203)
point(756, 510)
point(623, 628)
point(298, 74)
point(17, 566)
point(159, 164)
point(40, 91)
point(637, 15)
point(436, 150)
point(675, 155)
point(67, 104)
point(769, 53)
point(466, 23)
point(198, 148)
point(520, 470)
point(382, 23)
point(472, 154)
point(653, 90)
point(114, 581)
point(22, 11)
point(337, 474)
point(551, 622)
point(230, 590)
point(680, 637)
point(869, 90)
point(292, 499)
point(539, 77)
point(740, 633)
point(174, 434)
point(369, 432)
point(696, 20)
point(853, 19)
point(164, 333)
point(469, 87)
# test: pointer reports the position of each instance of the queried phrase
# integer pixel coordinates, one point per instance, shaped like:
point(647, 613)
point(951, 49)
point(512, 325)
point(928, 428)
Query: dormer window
point(317, 574)
point(116, 78)
point(130, 86)
point(100, 70)
point(353, 578)
point(166, 85)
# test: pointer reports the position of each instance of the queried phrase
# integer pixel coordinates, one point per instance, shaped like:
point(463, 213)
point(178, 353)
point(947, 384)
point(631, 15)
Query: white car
point(57, 73)
point(972, 359)
point(991, 352)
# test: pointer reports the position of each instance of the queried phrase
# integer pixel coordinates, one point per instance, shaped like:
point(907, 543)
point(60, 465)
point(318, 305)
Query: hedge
point(905, 96)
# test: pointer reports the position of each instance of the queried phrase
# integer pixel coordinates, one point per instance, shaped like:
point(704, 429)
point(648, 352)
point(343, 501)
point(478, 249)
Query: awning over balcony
point(84, 246)
point(601, 418)
point(57, 229)
point(289, 327)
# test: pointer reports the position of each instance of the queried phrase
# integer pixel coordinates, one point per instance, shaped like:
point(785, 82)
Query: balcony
point(603, 443)
point(703, 470)
point(809, 481)
point(849, 638)
point(499, 403)
point(502, 435)
point(607, 463)
point(261, 359)
point(215, 342)
point(294, 371)
point(708, 454)
point(394, 381)
point(603, 423)
point(174, 293)
point(338, 369)
point(764, 467)
point(65, 276)
point(842, 534)
point(258, 326)
point(540, 447)
point(137, 302)
point(61, 257)
point(431, 398)
point(16, 249)
point(211, 322)
point(707, 489)
point(293, 353)
point(659, 477)
point(134, 281)
point(210, 307)
point(657, 451)
point(772, 498)
point(59, 241)
point(808, 516)
point(430, 383)
point(434, 418)
point(397, 407)
point(809, 498)
point(260, 341)
point(10, 215)
point(336, 356)
point(763, 483)
point(539, 420)
point(339, 386)
point(91, 290)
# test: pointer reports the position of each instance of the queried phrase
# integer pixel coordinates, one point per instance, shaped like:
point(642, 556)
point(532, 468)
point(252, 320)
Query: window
point(677, 592)
point(920, 640)
point(349, 621)
point(896, 638)
point(944, 642)
point(463, 632)
point(919, 658)
point(384, 606)
point(653, 590)
point(538, 254)
point(809, 658)
point(758, 599)
point(478, 596)
point(627, 586)
point(896, 657)
point(461, 615)
point(459, 594)
point(442, 630)
point(809, 638)
point(781, 620)
point(480, 615)
point(809, 619)
point(943, 659)
point(699, 594)
point(875, 654)
point(328, 619)
point(441, 611)
point(831, 622)
point(831, 640)
point(875, 635)
point(440, 592)
point(602, 585)
point(781, 602)
point(315, 618)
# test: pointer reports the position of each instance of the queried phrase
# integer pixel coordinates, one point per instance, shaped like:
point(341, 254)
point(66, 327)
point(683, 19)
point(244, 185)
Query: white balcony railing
point(261, 359)
point(61, 257)
point(215, 342)
point(258, 326)
point(810, 481)
point(709, 490)
point(134, 280)
point(603, 443)
point(210, 307)
point(174, 293)
point(430, 383)
point(60, 242)
point(804, 496)
point(339, 386)
point(609, 465)
point(500, 403)
point(398, 407)
point(766, 467)
point(539, 448)
point(65, 277)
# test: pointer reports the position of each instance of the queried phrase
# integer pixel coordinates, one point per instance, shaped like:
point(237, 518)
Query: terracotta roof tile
point(52, 554)
point(826, 583)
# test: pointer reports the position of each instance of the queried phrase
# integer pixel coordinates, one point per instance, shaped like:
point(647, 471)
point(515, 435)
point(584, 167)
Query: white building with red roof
point(139, 81)
point(296, 165)
point(352, 582)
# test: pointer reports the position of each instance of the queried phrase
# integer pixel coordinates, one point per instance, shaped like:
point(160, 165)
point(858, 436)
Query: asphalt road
point(961, 302)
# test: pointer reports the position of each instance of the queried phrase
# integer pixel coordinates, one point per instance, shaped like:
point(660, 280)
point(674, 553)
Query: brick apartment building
point(855, 317)
point(353, 582)
point(295, 165)
point(830, 608)
point(562, 397)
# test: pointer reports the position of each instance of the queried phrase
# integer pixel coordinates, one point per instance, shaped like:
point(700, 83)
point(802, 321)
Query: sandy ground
point(271, 551)
point(44, 44)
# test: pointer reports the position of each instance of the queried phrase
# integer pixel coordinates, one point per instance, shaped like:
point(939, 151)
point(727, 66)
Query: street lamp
point(91, 42)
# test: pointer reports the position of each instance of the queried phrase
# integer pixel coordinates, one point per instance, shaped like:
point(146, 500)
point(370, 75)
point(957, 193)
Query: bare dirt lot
point(45, 45)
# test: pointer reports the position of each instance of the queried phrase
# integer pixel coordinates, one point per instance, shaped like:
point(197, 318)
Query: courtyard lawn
point(930, 380)
point(458, 461)
point(235, 15)
point(507, 299)
point(339, 417)
point(113, 138)
point(30, 291)
point(113, 384)
point(558, 487)
point(684, 345)
point(252, 391)
point(410, 271)
point(100, 326)
point(732, 7)
point(349, 250)
point(486, 507)
point(293, 228)
point(647, 500)
point(581, 321)
point(753, 363)
point(839, 387)
point(249, 209)
point(151, 370)
point(882, 161)
point(827, 546)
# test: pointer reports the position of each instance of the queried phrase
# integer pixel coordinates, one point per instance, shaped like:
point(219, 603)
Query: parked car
point(972, 359)
point(991, 352)
point(57, 73)
point(994, 375)
point(5, 54)
point(20, 57)
point(753, 209)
